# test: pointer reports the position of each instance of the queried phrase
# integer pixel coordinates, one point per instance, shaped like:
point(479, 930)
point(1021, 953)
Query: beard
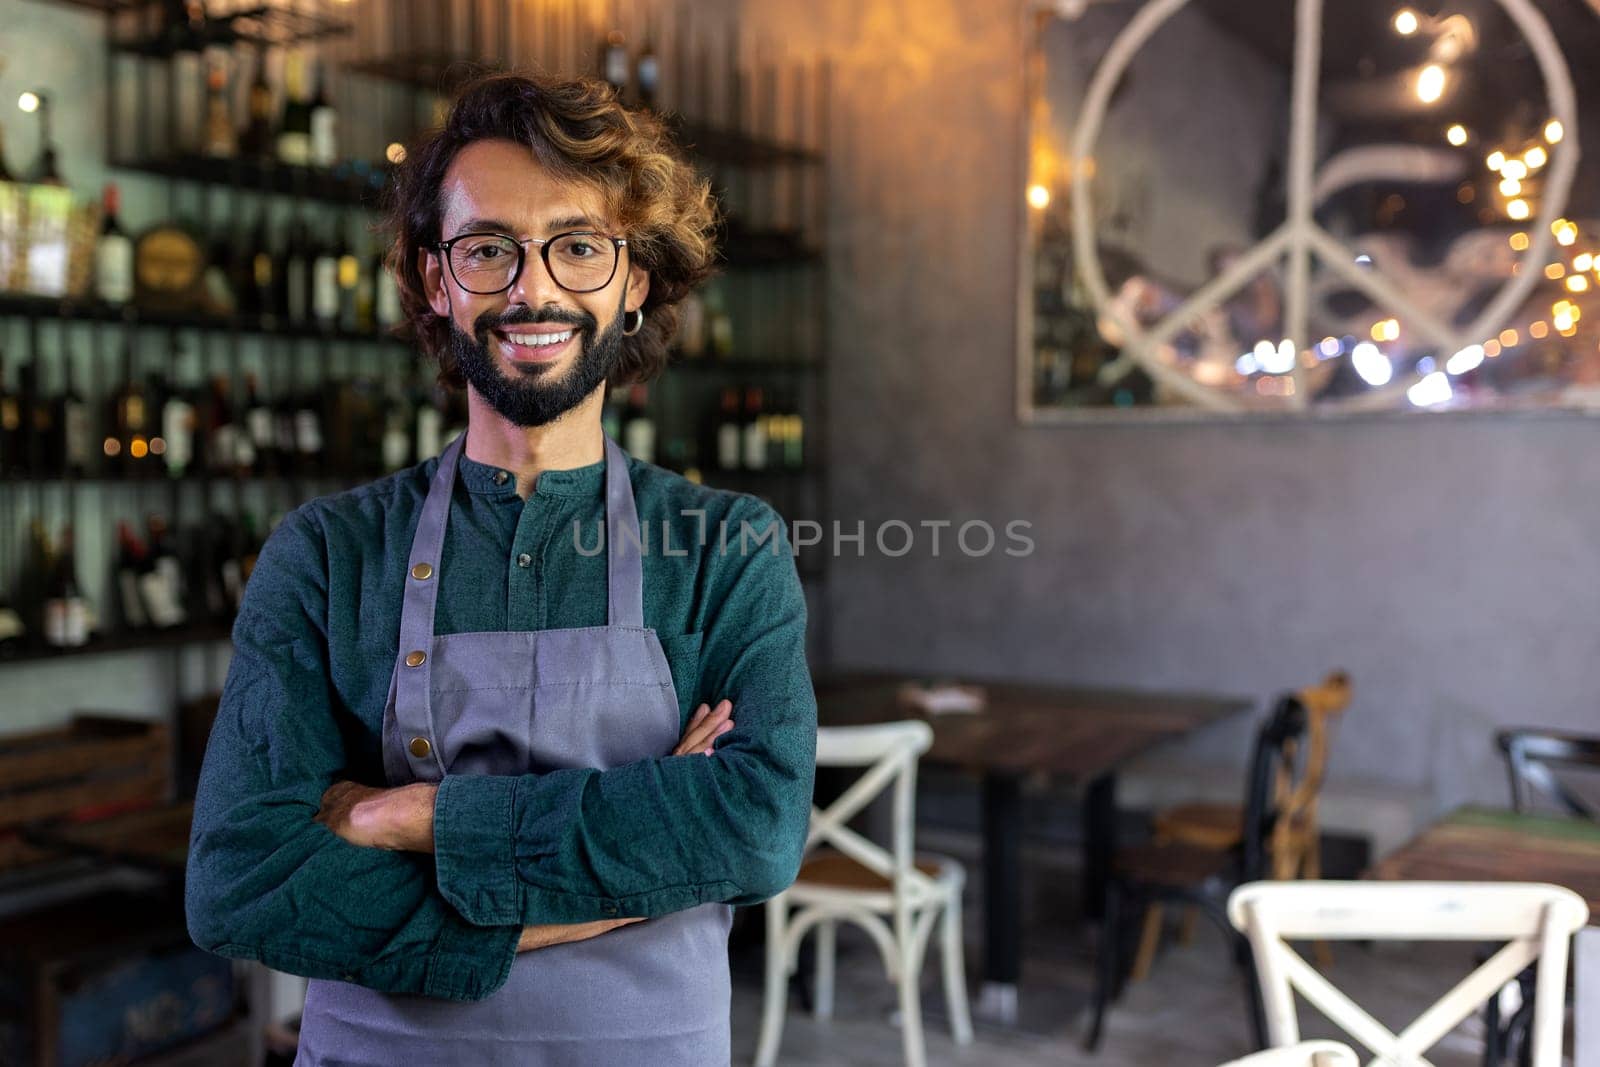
point(534, 394)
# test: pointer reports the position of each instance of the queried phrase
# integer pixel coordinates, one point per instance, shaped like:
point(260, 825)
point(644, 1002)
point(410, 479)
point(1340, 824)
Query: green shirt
point(315, 645)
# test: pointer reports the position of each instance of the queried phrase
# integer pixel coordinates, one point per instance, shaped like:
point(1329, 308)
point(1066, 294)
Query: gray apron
point(655, 992)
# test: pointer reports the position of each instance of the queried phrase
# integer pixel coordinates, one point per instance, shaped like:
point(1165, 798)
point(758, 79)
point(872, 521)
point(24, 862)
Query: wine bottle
point(349, 278)
point(39, 424)
point(308, 432)
point(221, 432)
point(221, 297)
point(386, 306)
point(638, 428)
point(614, 61)
point(66, 610)
point(258, 140)
point(323, 124)
point(133, 562)
point(5, 168)
point(259, 428)
point(178, 418)
point(11, 443)
point(127, 443)
point(294, 301)
point(46, 169)
point(647, 73)
point(325, 292)
point(265, 281)
point(719, 325)
point(113, 252)
point(161, 587)
point(221, 140)
point(692, 325)
point(755, 429)
point(430, 420)
point(294, 127)
point(74, 444)
point(397, 421)
point(729, 436)
point(13, 633)
point(33, 580)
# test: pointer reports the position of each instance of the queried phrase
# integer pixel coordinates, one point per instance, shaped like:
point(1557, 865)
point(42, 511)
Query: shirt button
point(524, 560)
point(420, 747)
point(500, 477)
point(608, 908)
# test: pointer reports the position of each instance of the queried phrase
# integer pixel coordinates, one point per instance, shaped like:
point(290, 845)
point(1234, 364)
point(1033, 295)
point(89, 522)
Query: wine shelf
point(356, 183)
point(131, 641)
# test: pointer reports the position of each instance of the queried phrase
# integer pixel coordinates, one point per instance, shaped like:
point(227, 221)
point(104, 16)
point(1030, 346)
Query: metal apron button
point(420, 748)
point(422, 572)
point(416, 659)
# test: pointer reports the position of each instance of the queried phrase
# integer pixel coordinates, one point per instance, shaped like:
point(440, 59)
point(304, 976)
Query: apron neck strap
point(624, 543)
point(624, 547)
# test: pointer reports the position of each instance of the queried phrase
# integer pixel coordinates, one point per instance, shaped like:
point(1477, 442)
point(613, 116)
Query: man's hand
point(400, 820)
point(705, 726)
point(560, 933)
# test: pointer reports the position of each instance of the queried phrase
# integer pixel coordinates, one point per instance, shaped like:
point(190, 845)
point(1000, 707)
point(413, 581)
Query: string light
point(1496, 160)
point(1519, 241)
point(1491, 348)
point(1539, 330)
point(1554, 271)
point(1583, 261)
point(1554, 131)
point(1038, 196)
point(1430, 83)
point(1578, 283)
point(1510, 187)
point(1509, 338)
point(1535, 157)
point(1456, 135)
point(1406, 22)
point(28, 102)
point(395, 153)
point(1518, 210)
point(1515, 169)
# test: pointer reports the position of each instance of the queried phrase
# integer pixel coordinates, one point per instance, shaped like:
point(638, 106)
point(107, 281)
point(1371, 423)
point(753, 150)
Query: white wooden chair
point(1304, 1054)
point(1536, 921)
point(897, 901)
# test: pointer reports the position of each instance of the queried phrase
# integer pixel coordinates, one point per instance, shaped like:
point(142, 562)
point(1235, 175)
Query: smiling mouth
point(527, 347)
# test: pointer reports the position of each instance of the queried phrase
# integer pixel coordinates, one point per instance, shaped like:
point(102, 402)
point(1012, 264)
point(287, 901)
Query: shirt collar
point(488, 480)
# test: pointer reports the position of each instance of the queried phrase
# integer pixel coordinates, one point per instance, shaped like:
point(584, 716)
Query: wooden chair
point(1536, 921)
point(1294, 846)
point(1305, 1054)
point(895, 900)
point(1534, 756)
point(1167, 872)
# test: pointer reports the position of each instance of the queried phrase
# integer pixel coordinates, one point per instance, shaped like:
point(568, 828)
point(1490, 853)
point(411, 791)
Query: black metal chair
point(1179, 874)
point(1533, 758)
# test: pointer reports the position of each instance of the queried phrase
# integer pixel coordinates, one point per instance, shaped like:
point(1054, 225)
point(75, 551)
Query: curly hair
point(579, 132)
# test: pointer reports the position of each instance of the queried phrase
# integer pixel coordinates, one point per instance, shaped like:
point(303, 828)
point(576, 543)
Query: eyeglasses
point(487, 263)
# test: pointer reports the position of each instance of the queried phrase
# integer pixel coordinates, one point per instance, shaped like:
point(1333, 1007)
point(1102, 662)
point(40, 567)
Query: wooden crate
point(93, 766)
point(111, 978)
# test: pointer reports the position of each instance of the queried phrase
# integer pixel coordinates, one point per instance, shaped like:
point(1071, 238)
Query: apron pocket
point(683, 660)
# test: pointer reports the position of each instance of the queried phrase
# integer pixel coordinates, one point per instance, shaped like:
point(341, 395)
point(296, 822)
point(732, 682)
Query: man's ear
point(638, 288)
point(433, 283)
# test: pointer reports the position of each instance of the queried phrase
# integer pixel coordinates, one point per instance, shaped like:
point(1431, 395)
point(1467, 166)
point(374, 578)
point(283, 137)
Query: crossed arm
point(278, 873)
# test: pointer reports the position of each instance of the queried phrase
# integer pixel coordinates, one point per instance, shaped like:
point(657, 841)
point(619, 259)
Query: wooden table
point(1080, 735)
point(1479, 845)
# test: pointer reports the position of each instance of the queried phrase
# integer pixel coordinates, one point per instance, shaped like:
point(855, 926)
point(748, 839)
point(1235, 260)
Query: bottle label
point(177, 426)
point(388, 309)
point(76, 431)
point(294, 147)
point(113, 268)
point(755, 444)
point(66, 622)
point(396, 448)
point(430, 425)
point(325, 288)
point(307, 432)
point(132, 603)
point(162, 589)
point(324, 146)
point(728, 446)
point(260, 420)
point(639, 439)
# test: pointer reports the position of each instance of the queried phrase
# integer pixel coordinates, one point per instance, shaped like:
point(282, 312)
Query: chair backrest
point(889, 752)
point(1586, 998)
point(1271, 760)
point(1294, 829)
point(1536, 921)
point(1534, 756)
point(1305, 1054)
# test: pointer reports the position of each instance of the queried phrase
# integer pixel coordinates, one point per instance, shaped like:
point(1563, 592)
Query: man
point(455, 778)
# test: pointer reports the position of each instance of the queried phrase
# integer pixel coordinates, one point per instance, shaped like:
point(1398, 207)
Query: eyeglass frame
point(443, 248)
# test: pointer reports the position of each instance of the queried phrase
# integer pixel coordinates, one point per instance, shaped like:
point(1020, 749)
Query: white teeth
point(537, 340)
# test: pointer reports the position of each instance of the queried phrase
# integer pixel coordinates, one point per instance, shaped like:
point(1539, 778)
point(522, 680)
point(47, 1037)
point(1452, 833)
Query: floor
point(1189, 1012)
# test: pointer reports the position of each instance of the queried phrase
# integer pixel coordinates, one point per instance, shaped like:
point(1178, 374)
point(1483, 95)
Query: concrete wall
point(1449, 564)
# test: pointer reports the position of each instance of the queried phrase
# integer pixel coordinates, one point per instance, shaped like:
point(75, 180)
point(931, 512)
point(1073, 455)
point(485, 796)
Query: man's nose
point(534, 286)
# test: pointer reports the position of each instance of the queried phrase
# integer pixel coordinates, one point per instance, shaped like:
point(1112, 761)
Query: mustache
point(526, 316)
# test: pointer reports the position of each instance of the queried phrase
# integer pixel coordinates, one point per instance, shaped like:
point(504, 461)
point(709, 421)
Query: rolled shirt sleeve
point(663, 834)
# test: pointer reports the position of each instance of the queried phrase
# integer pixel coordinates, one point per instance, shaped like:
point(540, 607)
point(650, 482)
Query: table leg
point(1099, 842)
point(1002, 896)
